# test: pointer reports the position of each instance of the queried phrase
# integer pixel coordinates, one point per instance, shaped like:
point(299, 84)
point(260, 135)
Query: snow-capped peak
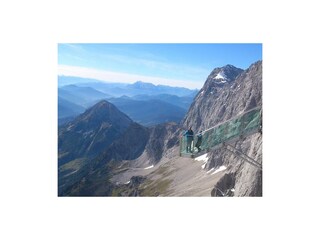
point(220, 75)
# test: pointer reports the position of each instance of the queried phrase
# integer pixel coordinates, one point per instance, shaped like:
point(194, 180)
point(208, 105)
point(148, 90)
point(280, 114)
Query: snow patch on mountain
point(220, 75)
point(221, 168)
point(149, 167)
point(203, 158)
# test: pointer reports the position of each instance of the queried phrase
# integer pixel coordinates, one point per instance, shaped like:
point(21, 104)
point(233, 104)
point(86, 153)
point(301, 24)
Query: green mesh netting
point(243, 124)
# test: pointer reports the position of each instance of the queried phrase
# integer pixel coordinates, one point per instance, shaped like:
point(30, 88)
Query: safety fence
point(242, 125)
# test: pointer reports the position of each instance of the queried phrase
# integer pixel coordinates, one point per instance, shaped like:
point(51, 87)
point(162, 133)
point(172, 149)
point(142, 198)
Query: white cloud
point(139, 59)
point(123, 77)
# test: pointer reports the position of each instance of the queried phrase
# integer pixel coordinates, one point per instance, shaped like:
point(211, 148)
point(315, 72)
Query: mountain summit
point(219, 102)
point(142, 85)
point(224, 74)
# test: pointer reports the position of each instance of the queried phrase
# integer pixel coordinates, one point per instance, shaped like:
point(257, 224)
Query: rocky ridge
point(215, 104)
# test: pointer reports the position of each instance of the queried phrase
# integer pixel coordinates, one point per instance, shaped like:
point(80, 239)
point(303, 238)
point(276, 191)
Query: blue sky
point(186, 65)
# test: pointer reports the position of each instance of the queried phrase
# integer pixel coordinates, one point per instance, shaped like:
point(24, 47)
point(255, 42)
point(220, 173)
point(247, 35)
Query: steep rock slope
point(129, 146)
point(215, 104)
point(162, 138)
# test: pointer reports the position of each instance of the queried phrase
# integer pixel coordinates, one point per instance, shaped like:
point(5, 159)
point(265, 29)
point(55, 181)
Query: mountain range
point(120, 89)
point(149, 112)
point(76, 98)
point(103, 152)
point(67, 109)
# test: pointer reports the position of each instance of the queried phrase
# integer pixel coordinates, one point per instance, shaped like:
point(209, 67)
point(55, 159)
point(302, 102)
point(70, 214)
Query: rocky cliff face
point(241, 178)
point(162, 138)
point(216, 103)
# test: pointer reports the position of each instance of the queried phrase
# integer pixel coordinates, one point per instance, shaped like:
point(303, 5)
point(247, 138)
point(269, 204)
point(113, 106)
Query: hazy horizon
point(177, 65)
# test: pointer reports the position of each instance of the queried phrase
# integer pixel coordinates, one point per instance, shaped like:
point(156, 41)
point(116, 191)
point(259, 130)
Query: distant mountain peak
point(229, 66)
point(105, 110)
point(92, 131)
point(227, 73)
point(145, 85)
point(102, 103)
point(141, 82)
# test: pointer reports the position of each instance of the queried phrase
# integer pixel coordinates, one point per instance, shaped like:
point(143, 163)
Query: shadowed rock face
point(153, 143)
point(129, 146)
point(162, 138)
point(224, 187)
